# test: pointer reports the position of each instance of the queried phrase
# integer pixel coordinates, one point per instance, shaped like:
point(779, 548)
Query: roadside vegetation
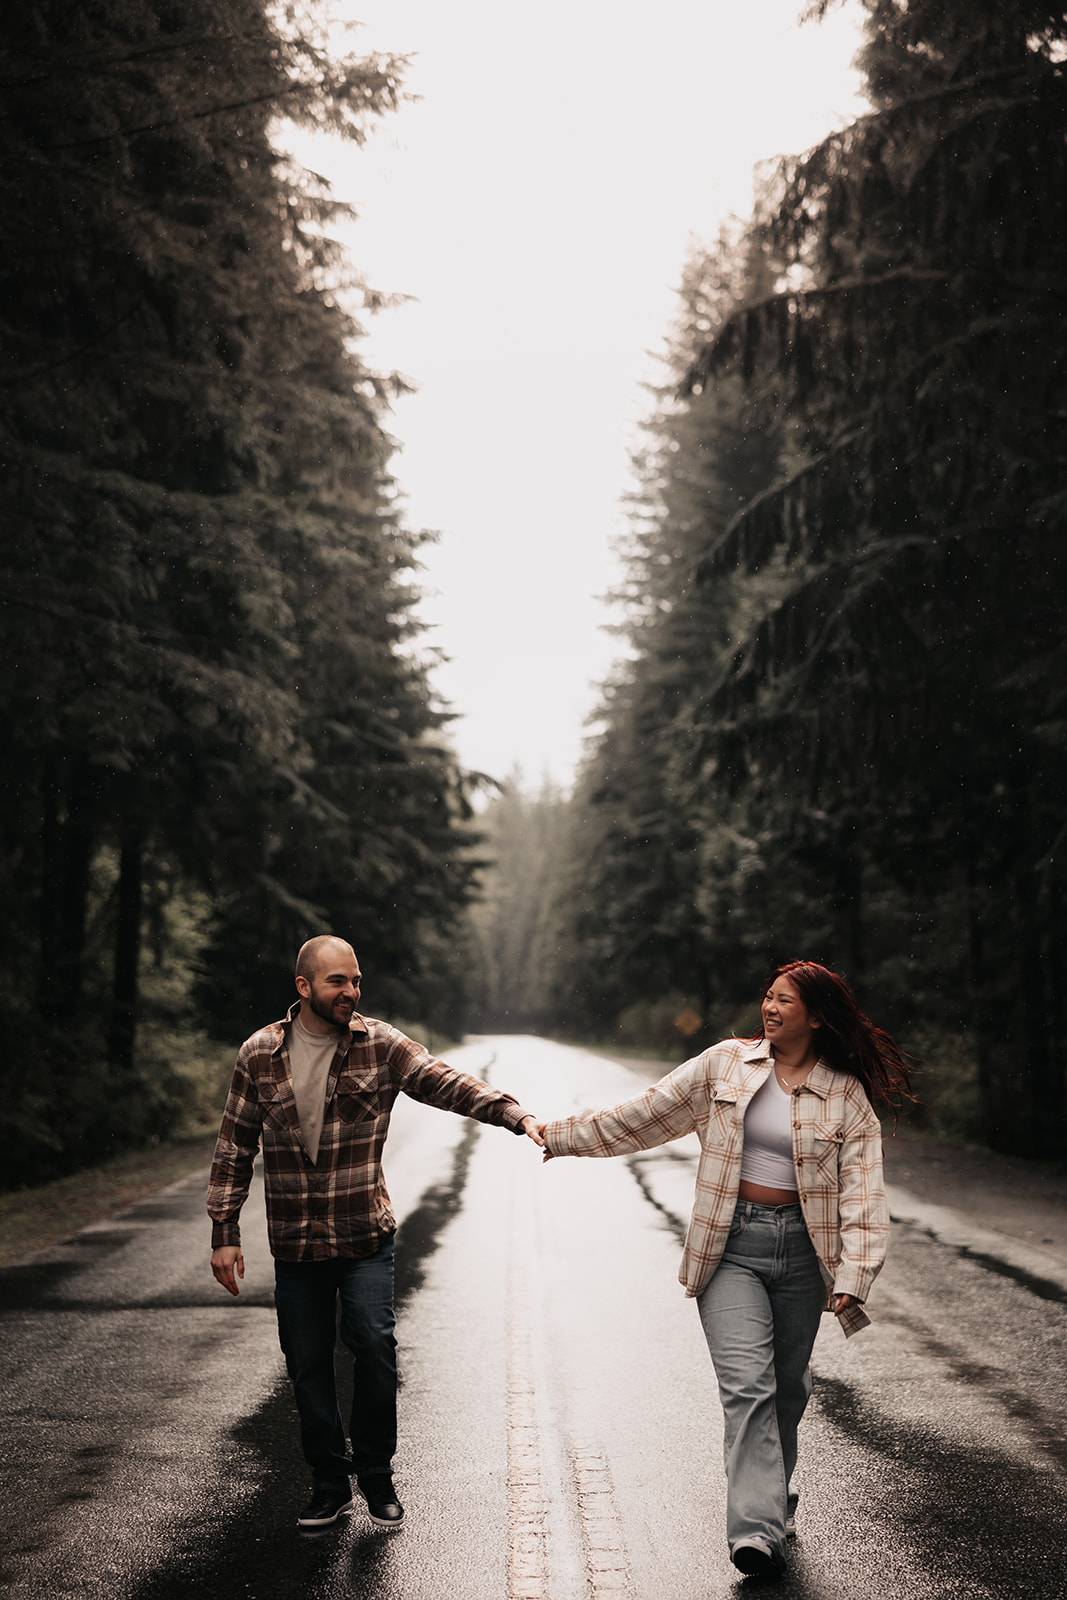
point(838, 726)
point(219, 730)
point(838, 730)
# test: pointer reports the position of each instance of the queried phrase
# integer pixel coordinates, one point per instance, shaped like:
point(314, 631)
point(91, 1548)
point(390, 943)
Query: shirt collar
point(819, 1080)
point(356, 1023)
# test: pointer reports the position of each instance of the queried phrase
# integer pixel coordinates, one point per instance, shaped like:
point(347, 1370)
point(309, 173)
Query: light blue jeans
point(760, 1314)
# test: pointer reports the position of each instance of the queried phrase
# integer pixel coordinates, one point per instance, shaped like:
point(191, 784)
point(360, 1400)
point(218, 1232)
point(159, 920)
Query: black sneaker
point(756, 1559)
point(384, 1507)
point(324, 1507)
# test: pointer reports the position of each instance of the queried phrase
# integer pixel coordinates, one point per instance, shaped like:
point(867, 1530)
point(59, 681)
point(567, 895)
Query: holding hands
point(536, 1131)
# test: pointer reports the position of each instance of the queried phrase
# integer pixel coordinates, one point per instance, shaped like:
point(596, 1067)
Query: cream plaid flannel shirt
point(837, 1151)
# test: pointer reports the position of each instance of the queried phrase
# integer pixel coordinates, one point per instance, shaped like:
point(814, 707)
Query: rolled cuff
point(223, 1233)
point(850, 1277)
point(853, 1320)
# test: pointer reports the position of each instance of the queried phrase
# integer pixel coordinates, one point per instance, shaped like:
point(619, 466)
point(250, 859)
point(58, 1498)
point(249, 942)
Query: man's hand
point(228, 1264)
point(537, 1134)
point(534, 1130)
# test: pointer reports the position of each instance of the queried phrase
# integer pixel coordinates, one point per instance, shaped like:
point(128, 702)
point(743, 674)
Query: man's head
point(327, 981)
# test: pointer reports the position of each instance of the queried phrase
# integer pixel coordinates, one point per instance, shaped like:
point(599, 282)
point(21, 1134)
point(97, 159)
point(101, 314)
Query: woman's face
point(787, 1022)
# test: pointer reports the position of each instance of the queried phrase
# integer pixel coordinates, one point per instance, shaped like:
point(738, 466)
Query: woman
point(789, 1219)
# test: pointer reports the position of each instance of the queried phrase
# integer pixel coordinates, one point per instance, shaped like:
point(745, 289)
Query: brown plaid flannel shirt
point(837, 1151)
point(338, 1205)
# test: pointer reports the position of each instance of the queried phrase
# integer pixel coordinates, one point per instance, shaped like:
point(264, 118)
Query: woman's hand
point(842, 1302)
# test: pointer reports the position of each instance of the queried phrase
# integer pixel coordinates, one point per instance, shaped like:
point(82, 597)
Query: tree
point(915, 648)
point(642, 924)
point(844, 704)
point(512, 920)
point(209, 678)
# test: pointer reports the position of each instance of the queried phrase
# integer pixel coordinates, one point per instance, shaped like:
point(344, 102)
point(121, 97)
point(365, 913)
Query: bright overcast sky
point(537, 203)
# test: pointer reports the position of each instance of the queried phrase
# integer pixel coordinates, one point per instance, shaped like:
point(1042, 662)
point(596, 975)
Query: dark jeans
point(306, 1295)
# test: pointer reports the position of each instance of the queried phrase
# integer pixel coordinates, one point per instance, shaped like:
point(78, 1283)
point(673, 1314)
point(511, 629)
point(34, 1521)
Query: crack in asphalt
point(675, 1224)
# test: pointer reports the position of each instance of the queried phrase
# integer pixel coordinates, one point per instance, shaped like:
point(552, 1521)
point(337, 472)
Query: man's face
point(333, 994)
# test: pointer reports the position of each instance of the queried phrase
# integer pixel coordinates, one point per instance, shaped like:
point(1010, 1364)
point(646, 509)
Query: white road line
point(527, 1501)
point(550, 1477)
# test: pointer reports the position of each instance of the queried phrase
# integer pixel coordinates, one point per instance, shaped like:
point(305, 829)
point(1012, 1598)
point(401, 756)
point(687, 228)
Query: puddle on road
point(420, 1232)
point(1042, 1287)
point(37, 1285)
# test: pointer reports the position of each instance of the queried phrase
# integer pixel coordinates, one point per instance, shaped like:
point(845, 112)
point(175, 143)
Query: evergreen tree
point(843, 707)
point(640, 921)
point(913, 666)
point(209, 677)
point(512, 918)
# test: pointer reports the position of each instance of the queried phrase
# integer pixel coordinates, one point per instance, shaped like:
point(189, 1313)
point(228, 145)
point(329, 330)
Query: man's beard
point(326, 1012)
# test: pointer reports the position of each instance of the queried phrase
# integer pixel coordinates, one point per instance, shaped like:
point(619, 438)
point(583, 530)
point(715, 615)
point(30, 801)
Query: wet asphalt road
point(560, 1433)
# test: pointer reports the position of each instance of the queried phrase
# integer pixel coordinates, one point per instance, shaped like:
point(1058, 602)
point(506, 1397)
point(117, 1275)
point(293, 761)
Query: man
point(317, 1089)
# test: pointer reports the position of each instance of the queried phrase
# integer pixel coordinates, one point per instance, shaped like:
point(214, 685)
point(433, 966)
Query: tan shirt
point(310, 1055)
point(837, 1154)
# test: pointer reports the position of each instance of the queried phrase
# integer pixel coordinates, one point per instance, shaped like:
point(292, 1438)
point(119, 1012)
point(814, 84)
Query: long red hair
point(848, 1040)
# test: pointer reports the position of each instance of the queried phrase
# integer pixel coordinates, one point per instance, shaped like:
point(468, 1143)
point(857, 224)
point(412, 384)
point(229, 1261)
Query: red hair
point(848, 1040)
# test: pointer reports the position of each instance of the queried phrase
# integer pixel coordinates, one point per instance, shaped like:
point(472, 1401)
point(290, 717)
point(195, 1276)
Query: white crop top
point(767, 1156)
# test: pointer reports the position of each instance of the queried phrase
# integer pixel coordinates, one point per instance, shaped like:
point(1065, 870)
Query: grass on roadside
point(31, 1219)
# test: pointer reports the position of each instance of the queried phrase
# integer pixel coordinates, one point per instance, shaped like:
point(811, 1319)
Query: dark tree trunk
point(1057, 972)
point(1042, 1125)
point(122, 1034)
point(50, 890)
point(64, 977)
point(984, 1010)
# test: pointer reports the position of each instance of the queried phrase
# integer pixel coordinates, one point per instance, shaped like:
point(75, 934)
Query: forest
point(837, 730)
point(220, 734)
point(837, 725)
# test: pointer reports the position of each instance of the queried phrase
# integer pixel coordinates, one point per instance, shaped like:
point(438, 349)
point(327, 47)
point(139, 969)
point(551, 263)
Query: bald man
point(316, 1090)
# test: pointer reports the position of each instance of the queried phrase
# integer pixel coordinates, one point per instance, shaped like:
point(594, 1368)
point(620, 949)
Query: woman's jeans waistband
point(754, 1208)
